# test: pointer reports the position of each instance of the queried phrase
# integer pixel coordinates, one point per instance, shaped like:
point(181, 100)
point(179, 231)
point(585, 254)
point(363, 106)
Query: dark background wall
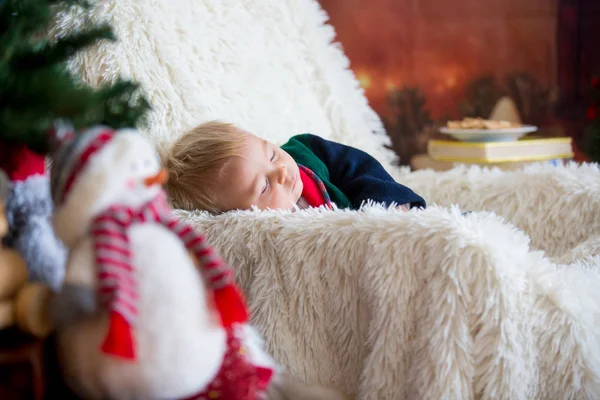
point(422, 62)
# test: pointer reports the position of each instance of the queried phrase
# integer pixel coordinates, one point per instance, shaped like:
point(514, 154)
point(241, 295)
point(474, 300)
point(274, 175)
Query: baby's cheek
point(278, 200)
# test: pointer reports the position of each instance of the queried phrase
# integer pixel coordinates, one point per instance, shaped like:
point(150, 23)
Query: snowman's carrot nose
point(157, 179)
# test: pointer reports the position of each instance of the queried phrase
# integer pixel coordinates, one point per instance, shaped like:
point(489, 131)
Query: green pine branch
point(36, 87)
point(45, 53)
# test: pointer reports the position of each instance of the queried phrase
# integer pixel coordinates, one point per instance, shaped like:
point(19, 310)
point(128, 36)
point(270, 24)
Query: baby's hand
point(403, 207)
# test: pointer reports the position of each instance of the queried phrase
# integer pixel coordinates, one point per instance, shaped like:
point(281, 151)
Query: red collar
point(310, 191)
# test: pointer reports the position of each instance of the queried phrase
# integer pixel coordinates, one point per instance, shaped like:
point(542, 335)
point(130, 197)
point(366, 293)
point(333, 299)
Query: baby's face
point(264, 176)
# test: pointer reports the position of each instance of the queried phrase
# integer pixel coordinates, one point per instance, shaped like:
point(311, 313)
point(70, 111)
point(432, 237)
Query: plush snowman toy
point(147, 309)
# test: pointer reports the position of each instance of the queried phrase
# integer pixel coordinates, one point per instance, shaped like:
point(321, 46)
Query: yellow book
point(499, 152)
point(423, 161)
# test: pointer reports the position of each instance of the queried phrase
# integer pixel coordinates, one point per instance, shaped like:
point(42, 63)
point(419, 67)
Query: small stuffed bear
point(21, 303)
point(28, 211)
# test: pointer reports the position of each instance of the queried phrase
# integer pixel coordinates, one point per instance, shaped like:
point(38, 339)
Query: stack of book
point(507, 154)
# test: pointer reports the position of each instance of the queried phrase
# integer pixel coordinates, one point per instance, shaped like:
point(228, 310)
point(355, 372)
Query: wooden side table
point(21, 366)
point(29, 368)
point(55, 384)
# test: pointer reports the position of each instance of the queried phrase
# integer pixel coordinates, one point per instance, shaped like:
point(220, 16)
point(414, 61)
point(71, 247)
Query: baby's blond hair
point(195, 163)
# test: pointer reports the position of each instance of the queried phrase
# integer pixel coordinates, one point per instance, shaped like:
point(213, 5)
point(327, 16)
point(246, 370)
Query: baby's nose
point(282, 174)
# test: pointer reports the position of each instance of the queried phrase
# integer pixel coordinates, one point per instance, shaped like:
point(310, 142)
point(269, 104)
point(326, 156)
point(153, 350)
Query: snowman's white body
point(179, 342)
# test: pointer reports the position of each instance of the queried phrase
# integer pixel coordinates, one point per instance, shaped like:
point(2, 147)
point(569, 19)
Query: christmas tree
point(534, 101)
point(37, 89)
point(480, 97)
point(592, 133)
point(410, 125)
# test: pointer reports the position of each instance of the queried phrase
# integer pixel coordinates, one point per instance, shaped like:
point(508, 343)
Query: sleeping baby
point(219, 167)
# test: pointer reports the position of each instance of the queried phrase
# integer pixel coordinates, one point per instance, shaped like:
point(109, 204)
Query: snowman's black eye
point(133, 166)
point(147, 163)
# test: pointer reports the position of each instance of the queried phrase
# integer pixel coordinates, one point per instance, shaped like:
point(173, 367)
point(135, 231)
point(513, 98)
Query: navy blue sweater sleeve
point(360, 176)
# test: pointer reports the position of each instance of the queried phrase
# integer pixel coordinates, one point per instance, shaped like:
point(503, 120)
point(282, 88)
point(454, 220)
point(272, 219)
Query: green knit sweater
point(300, 149)
point(351, 176)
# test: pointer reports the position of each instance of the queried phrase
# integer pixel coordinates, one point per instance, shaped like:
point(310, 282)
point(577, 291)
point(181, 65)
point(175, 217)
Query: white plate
point(489, 135)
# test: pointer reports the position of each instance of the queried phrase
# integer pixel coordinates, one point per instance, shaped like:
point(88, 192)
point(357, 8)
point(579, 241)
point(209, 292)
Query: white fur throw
point(386, 305)
point(433, 304)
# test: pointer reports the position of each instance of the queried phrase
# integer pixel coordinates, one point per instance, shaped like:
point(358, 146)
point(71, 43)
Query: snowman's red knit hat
point(71, 156)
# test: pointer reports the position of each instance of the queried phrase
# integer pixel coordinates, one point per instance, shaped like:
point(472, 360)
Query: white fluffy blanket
point(433, 304)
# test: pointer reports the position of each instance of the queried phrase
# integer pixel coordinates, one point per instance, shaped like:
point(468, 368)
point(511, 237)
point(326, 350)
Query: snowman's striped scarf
point(116, 277)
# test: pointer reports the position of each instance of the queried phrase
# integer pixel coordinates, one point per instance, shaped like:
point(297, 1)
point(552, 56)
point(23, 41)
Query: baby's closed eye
point(265, 187)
